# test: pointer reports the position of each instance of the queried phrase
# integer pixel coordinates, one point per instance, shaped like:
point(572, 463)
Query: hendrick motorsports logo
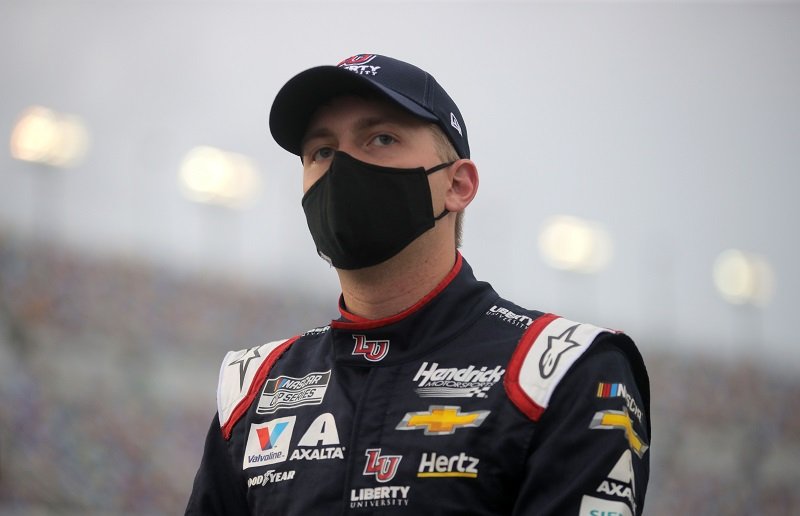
point(287, 392)
point(452, 382)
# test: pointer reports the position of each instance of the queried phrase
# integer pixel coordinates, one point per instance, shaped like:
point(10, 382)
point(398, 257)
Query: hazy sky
point(676, 125)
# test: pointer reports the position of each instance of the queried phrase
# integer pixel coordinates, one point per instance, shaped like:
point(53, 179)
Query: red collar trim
point(355, 322)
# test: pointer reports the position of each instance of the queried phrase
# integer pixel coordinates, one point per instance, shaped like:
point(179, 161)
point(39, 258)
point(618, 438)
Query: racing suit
point(463, 404)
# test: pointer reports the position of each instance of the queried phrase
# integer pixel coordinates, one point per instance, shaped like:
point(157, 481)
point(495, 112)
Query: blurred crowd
point(108, 373)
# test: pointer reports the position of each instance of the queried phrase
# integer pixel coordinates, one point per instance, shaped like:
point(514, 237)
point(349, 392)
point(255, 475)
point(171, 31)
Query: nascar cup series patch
point(289, 392)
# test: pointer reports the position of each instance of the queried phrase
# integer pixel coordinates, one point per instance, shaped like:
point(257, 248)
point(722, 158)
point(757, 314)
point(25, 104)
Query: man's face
point(369, 130)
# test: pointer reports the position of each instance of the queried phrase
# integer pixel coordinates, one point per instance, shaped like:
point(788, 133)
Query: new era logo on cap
point(454, 123)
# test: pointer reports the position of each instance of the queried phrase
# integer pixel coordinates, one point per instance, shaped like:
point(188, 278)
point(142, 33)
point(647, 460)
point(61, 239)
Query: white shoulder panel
point(553, 351)
point(237, 374)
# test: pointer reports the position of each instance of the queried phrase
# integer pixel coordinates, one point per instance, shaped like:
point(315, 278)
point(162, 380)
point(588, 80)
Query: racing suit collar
point(457, 300)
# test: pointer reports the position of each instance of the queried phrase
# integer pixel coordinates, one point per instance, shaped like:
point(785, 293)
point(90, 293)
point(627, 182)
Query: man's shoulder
point(549, 350)
point(243, 371)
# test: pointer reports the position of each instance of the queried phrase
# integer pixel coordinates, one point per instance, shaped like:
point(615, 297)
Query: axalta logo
point(321, 441)
point(451, 382)
point(506, 315)
point(384, 467)
point(268, 443)
point(618, 390)
point(372, 350)
point(358, 64)
point(462, 465)
point(288, 392)
point(270, 477)
point(620, 420)
point(621, 481)
point(442, 420)
point(382, 496)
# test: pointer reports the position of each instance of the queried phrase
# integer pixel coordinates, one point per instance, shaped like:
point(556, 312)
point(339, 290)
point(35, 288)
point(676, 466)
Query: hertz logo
point(462, 465)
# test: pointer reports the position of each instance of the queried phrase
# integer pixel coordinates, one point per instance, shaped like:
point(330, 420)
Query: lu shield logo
point(372, 350)
point(384, 467)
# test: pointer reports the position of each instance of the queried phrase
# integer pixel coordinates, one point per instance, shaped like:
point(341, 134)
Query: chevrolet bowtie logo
point(620, 420)
point(442, 420)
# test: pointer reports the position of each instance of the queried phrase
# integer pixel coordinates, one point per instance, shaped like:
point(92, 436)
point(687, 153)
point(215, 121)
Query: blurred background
point(640, 170)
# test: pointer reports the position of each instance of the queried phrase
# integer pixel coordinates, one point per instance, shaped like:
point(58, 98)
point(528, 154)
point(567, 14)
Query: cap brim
point(302, 95)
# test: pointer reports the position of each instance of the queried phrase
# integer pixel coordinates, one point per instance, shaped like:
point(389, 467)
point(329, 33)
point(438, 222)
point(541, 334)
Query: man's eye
point(383, 140)
point(322, 153)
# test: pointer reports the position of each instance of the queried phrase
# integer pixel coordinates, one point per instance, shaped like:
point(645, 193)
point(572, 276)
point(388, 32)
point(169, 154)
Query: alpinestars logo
point(556, 346)
point(384, 467)
point(452, 382)
point(372, 350)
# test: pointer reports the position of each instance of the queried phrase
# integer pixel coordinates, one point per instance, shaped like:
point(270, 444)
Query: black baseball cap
point(409, 87)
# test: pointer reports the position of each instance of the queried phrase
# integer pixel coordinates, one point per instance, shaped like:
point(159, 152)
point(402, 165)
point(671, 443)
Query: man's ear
point(463, 176)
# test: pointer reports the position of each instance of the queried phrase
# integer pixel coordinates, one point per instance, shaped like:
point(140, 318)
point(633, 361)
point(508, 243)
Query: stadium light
point(574, 244)
point(743, 278)
point(42, 135)
point(213, 176)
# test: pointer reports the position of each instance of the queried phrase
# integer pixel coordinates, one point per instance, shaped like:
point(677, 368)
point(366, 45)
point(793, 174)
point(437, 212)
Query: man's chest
point(323, 436)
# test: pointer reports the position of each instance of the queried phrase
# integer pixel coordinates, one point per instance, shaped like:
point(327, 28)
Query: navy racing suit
point(463, 404)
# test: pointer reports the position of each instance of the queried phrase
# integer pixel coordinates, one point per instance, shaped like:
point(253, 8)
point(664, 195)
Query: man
point(430, 394)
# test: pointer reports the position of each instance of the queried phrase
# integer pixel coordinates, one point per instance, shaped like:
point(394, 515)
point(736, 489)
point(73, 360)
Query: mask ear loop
point(441, 215)
point(438, 167)
point(431, 171)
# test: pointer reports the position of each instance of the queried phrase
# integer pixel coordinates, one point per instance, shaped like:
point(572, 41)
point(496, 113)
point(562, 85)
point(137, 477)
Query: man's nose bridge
point(351, 148)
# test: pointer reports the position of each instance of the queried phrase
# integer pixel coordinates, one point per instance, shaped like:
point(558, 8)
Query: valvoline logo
point(268, 443)
point(267, 437)
point(357, 60)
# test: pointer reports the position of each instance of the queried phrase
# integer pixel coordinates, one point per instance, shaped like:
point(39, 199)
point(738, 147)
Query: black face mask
point(361, 214)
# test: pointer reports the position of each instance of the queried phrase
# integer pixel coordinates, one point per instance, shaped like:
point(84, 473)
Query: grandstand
point(108, 368)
